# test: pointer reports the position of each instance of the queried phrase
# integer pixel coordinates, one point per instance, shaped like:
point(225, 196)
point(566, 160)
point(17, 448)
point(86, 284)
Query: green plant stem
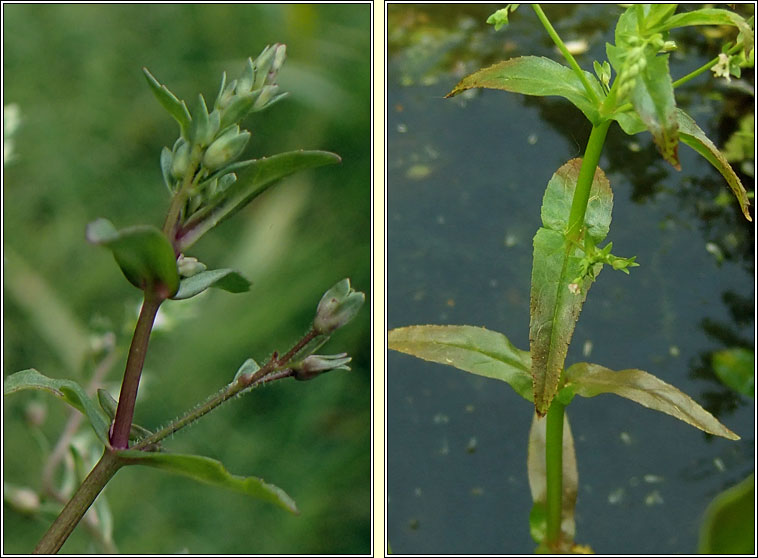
point(584, 181)
point(80, 502)
point(554, 472)
point(566, 54)
point(122, 423)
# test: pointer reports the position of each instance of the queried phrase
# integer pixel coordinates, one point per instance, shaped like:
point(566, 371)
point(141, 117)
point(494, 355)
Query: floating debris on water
point(441, 418)
point(471, 446)
point(617, 496)
point(654, 499)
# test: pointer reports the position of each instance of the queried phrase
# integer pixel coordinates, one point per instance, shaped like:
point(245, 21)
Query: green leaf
point(257, 176)
point(472, 349)
point(143, 253)
point(226, 279)
point(537, 472)
point(589, 380)
point(735, 368)
point(175, 107)
point(211, 471)
point(67, 390)
point(555, 301)
point(653, 99)
point(657, 14)
point(691, 134)
point(535, 75)
point(709, 16)
point(729, 525)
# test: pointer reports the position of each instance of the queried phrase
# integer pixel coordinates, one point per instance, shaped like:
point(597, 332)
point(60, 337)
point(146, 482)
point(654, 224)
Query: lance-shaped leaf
point(535, 75)
point(175, 107)
point(538, 481)
point(143, 253)
point(225, 279)
point(472, 349)
point(257, 176)
point(213, 472)
point(589, 380)
point(692, 135)
point(709, 16)
point(555, 301)
point(67, 390)
point(653, 100)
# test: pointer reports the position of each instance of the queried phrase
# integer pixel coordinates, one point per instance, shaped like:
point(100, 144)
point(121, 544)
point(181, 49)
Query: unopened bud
point(22, 499)
point(189, 266)
point(263, 65)
point(279, 57)
point(314, 365)
point(181, 159)
point(246, 80)
point(226, 148)
point(337, 307)
point(267, 94)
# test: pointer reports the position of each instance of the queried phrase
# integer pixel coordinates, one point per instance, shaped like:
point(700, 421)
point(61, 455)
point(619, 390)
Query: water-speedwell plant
point(568, 256)
point(207, 185)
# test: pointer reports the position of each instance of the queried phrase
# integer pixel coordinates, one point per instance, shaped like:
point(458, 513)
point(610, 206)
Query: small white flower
point(722, 68)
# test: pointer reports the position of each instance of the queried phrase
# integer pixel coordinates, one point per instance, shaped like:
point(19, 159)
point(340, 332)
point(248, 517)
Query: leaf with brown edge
point(588, 380)
point(472, 349)
point(554, 305)
point(692, 135)
point(536, 75)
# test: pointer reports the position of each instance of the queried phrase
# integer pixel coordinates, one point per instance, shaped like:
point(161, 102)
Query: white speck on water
point(402, 128)
point(441, 418)
point(532, 139)
point(587, 348)
point(625, 438)
point(654, 498)
point(652, 479)
point(617, 496)
point(719, 464)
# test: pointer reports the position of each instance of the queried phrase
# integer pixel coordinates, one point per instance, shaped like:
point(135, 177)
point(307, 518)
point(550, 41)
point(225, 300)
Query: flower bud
point(189, 266)
point(22, 499)
point(314, 365)
point(337, 307)
point(226, 94)
point(225, 149)
point(263, 64)
point(181, 160)
point(266, 95)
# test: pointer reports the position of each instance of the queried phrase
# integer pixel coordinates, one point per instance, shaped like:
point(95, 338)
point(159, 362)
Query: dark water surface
point(466, 178)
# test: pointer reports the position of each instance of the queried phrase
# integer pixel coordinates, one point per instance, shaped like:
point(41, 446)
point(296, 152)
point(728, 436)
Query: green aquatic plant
point(207, 184)
point(633, 88)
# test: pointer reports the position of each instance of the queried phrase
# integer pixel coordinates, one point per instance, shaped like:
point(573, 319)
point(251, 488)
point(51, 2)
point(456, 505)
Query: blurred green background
point(88, 146)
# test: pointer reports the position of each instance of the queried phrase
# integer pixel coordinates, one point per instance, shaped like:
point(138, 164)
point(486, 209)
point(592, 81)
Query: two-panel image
point(325, 279)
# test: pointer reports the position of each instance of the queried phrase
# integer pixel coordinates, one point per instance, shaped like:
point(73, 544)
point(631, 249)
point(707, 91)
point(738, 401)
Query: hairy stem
point(122, 423)
point(80, 502)
point(554, 471)
point(275, 369)
point(566, 54)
